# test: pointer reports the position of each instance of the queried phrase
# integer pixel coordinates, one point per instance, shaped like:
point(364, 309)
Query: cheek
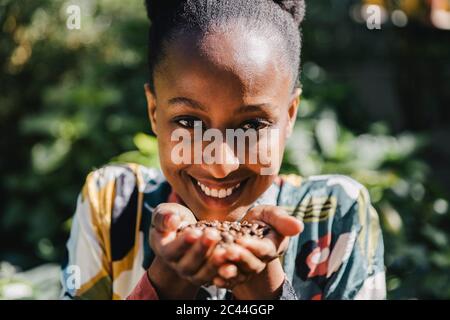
point(171, 153)
point(269, 149)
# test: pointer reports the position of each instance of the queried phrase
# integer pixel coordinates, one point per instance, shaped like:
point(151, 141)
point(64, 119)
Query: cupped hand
point(251, 254)
point(191, 253)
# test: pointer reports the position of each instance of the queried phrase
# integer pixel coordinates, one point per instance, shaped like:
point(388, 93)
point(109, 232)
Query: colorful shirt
point(339, 254)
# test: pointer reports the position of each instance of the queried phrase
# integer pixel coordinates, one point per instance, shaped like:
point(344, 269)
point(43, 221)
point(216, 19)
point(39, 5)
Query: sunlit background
point(376, 106)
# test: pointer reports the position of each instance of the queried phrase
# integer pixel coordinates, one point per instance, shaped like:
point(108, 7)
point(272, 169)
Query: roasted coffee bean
point(230, 231)
point(228, 238)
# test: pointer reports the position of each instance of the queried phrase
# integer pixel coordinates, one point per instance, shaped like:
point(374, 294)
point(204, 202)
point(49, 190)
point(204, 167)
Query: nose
point(222, 163)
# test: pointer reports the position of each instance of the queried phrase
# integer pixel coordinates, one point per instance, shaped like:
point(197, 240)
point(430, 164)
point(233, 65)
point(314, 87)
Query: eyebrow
point(255, 108)
point(186, 101)
point(197, 105)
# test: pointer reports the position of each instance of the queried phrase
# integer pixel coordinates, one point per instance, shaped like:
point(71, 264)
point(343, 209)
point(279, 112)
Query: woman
point(217, 66)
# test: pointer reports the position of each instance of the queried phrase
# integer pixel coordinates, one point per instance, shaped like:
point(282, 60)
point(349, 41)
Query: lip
point(219, 203)
point(215, 185)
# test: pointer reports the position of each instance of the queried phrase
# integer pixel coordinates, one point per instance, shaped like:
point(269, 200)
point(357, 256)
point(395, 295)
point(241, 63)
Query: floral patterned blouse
point(339, 255)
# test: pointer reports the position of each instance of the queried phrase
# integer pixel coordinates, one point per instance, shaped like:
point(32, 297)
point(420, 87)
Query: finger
point(171, 247)
point(230, 283)
point(223, 283)
point(280, 242)
point(244, 259)
point(168, 217)
point(264, 249)
point(228, 271)
point(277, 218)
point(165, 218)
point(195, 257)
point(209, 270)
point(240, 278)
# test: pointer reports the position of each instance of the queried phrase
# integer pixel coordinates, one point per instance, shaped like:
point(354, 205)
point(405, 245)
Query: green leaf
point(146, 144)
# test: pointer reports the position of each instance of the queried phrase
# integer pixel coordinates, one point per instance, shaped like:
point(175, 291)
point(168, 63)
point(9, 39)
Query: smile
point(217, 193)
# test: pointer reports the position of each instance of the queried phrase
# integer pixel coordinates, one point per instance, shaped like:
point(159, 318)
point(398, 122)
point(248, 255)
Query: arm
point(355, 267)
point(86, 274)
point(158, 284)
point(362, 274)
point(270, 284)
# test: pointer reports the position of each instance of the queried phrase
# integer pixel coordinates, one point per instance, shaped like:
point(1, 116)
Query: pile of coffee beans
point(230, 231)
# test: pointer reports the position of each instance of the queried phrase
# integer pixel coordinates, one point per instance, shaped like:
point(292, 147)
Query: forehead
point(232, 64)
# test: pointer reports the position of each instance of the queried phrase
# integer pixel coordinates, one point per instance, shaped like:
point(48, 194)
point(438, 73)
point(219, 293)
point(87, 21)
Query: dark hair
point(170, 18)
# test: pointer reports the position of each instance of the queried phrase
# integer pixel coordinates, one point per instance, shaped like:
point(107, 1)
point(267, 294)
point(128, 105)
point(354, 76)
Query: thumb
point(277, 218)
point(168, 217)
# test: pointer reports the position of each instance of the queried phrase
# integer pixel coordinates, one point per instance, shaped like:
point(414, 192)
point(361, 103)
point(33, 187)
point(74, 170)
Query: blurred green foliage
point(73, 100)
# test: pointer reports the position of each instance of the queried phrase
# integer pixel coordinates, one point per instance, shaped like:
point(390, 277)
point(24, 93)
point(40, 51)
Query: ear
point(151, 107)
point(292, 111)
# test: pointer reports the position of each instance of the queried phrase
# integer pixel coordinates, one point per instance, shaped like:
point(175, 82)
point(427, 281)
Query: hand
point(275, 243)
point(260, 272)
point(191, 254)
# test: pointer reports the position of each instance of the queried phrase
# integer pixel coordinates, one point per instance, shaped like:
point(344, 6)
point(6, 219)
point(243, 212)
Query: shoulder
point(345, 186)
point(342, 187)
point(115, 195)
point(323, 195)
point(123, 174)
point(110, 188)
point(121, 180)
point(341, 245)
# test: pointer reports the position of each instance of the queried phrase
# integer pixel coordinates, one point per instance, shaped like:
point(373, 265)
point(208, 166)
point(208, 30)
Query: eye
point(255, 124)
point(187, 122)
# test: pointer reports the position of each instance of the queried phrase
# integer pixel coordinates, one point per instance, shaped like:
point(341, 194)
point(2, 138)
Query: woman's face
point(233, 80)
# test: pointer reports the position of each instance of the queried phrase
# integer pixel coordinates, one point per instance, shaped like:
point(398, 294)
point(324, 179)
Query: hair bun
point(296, 9)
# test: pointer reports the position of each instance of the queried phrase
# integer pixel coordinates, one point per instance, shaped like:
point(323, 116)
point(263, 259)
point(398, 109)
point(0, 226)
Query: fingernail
point(229, 271)
point(219, 256)
point(210, 237)
point(243, 241)
point(214, 234)
point(233, 255)
point(193, 235)
point(232, 271)
point(196, 233)
point(172, 221)
point(206, 241)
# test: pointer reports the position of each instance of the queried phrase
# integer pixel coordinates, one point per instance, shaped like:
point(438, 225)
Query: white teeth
point(222, 193)
point(217, 193)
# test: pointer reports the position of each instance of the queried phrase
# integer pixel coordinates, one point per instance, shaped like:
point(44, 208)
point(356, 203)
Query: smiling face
point(226, 80)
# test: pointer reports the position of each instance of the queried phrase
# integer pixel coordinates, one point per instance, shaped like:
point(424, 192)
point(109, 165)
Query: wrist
point(266, 285)
point(168, 284)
